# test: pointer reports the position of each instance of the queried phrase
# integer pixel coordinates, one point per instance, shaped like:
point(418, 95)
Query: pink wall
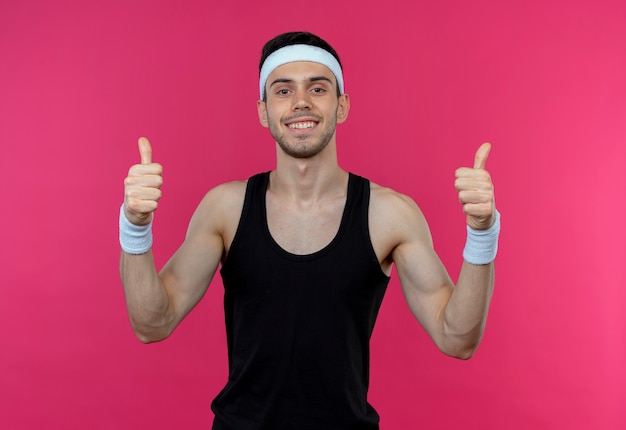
point(544, 81)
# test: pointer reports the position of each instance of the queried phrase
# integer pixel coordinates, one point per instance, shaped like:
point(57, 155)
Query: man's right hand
point(142, 187)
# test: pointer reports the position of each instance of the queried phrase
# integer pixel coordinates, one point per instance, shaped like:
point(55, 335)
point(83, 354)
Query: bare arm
point(453, 316)
point(158, 302)
point(465, 314)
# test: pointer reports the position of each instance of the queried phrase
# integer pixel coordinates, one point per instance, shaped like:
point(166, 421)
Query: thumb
point(145, 150)
point(480, 159)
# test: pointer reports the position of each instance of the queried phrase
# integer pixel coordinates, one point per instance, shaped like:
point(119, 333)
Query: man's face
point(301, 108)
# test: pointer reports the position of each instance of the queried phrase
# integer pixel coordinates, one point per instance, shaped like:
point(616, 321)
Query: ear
point(343, 109)
point(262, 111)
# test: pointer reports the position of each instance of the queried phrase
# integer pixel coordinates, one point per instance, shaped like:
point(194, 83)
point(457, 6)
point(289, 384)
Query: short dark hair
point(296, 38)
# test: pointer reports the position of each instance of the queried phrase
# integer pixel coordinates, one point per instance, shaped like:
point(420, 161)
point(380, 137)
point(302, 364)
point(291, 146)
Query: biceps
point(425, 283)
point(187, 275)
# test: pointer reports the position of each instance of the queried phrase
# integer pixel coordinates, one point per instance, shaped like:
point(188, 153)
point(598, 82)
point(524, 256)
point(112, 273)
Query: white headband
point(292, 53)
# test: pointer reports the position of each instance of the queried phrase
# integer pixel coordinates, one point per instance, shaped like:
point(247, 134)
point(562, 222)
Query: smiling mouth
point(302, 125)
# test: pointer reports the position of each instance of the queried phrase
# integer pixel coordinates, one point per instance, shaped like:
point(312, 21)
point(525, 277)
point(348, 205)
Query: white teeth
point(302, 125)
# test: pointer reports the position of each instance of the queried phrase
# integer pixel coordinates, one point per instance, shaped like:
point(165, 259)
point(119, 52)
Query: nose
point(301, 100)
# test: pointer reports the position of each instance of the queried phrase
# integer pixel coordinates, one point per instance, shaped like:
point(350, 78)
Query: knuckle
point(133, 170)
point(151, 206)
point(128, 194)
point(132, 206)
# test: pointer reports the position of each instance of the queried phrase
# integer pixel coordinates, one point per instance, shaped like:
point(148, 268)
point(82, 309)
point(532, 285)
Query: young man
point(306, 252)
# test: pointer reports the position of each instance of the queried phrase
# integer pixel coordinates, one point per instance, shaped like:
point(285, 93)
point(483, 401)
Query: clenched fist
point(142, 187)
point(476, 191)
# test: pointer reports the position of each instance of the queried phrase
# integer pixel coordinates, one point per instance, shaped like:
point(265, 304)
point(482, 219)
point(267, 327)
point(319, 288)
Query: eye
point(319, 90)
point(282, 92)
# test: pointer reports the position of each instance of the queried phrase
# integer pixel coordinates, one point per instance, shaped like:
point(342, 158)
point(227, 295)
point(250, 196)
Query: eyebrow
point(291, 81)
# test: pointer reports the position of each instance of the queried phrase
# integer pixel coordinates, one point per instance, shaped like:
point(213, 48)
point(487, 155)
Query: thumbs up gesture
point(142, 186)
point(476, 191)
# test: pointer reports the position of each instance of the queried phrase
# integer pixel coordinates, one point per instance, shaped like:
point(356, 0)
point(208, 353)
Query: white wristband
point(481, 246)
point(134, 239)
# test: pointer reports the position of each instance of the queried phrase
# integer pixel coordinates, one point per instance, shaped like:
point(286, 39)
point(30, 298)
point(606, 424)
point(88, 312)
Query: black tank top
point(298, 326)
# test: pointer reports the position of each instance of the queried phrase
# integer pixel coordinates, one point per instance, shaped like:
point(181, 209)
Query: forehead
point(300, 70)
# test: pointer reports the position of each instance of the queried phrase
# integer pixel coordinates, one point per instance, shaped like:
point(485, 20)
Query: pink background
point(544, 81)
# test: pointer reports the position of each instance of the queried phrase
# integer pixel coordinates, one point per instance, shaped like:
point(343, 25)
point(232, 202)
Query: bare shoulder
point(219, 210)
point(393, 208)
point(225, 193)
point(395, 219)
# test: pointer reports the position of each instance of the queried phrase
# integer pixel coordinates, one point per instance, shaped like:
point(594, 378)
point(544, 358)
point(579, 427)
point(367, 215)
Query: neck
point(308, 179)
